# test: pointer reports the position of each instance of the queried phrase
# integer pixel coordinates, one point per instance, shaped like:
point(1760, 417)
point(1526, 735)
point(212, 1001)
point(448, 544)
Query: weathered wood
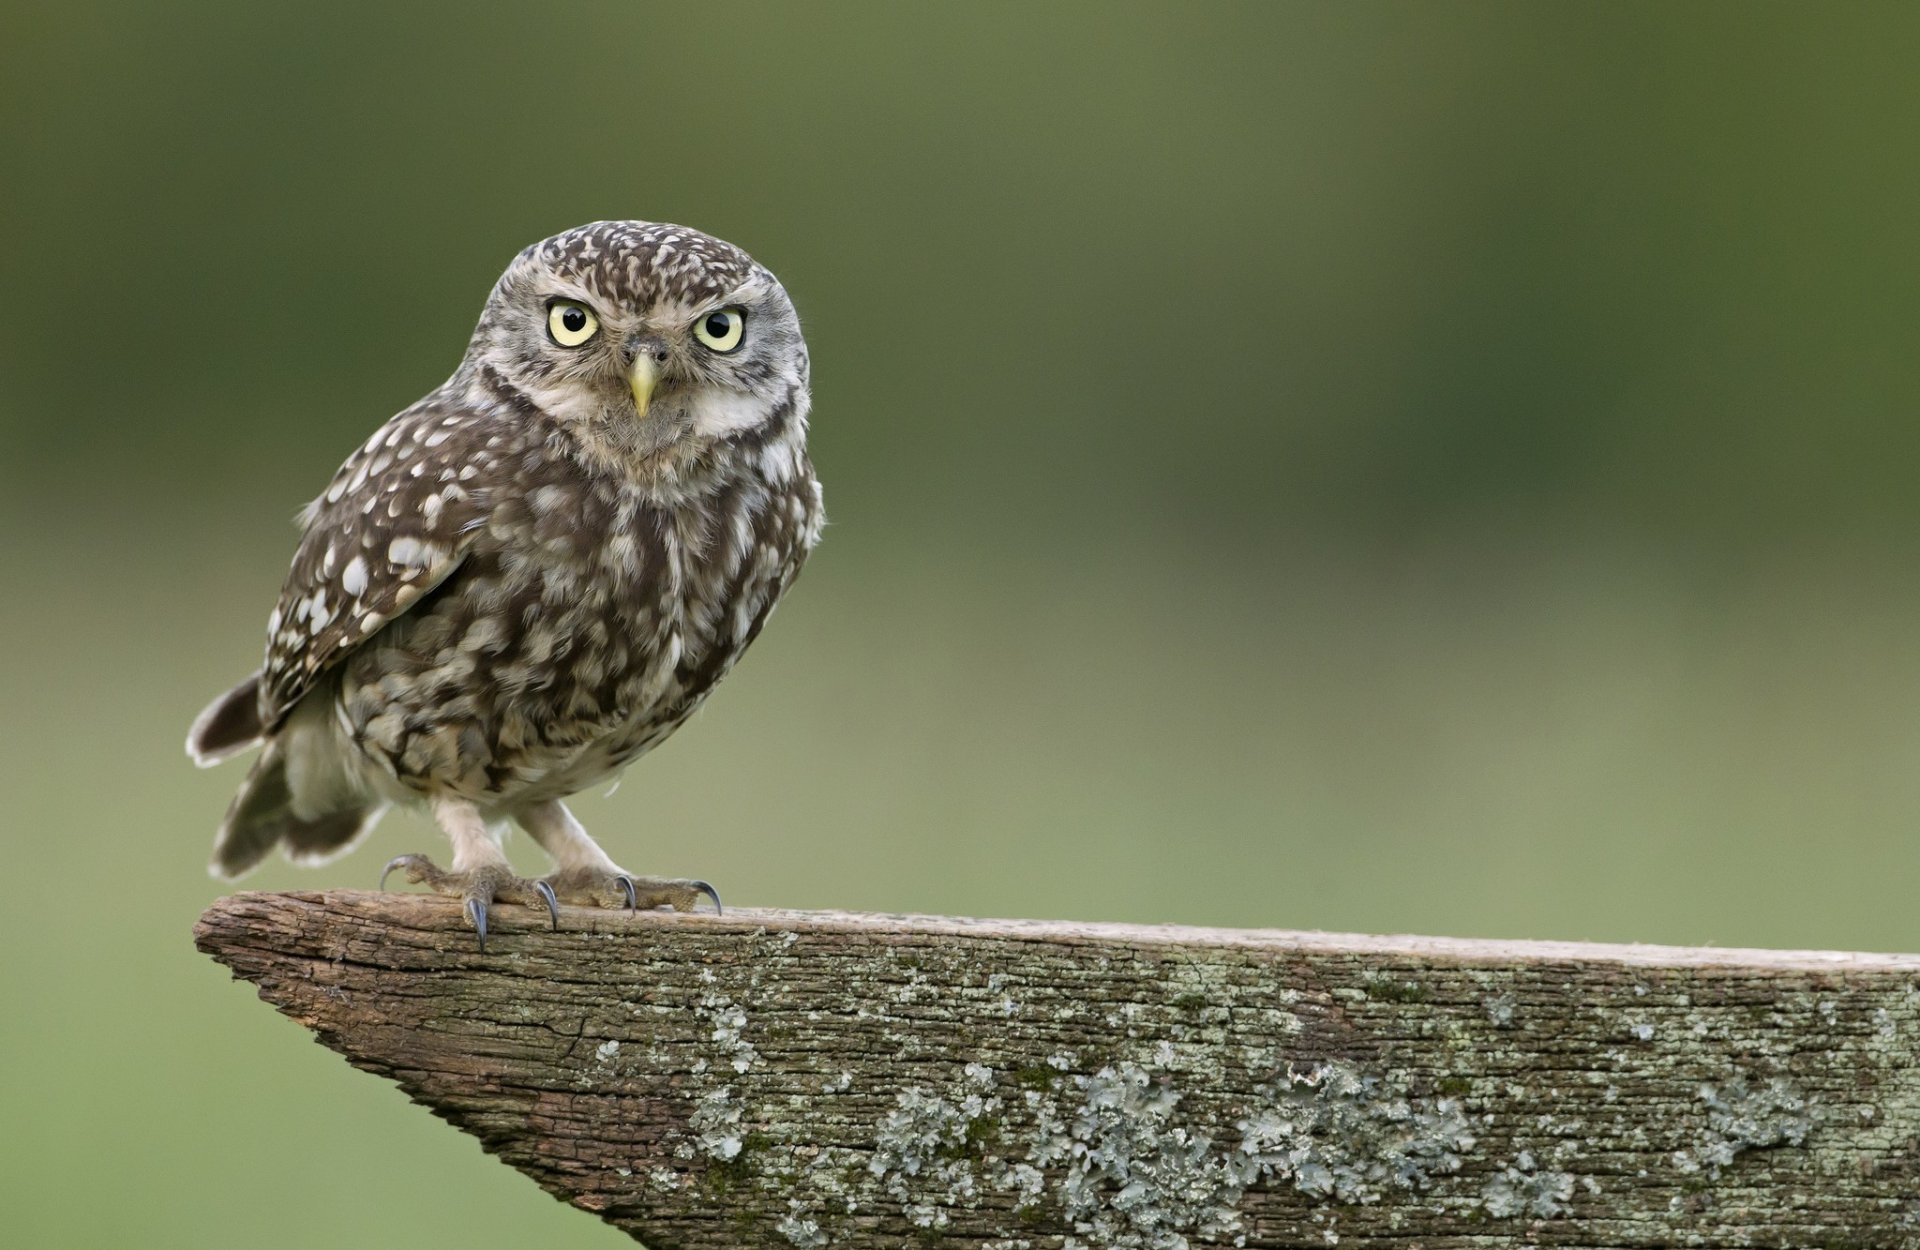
point(815, 1079)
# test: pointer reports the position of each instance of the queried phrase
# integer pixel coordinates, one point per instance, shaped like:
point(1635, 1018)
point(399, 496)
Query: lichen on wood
point(827, 1079)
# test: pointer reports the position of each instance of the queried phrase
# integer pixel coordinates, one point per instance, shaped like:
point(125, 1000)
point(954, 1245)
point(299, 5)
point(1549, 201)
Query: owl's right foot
point(478, 888)
point(594, 887)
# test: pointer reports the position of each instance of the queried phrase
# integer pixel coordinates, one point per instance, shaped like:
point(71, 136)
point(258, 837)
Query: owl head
point(643, 338)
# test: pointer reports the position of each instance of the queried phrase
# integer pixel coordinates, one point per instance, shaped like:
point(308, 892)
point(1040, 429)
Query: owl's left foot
point(595, 887)
point(477, 889)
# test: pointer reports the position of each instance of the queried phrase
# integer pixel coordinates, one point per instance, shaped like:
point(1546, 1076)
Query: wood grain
point(813, 1079)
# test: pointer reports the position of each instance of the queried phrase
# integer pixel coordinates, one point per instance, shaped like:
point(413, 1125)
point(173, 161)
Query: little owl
point(528, 579)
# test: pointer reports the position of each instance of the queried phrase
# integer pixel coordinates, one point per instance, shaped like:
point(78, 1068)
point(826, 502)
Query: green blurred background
point(1440, 468)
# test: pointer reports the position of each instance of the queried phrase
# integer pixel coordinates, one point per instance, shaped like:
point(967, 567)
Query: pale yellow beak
point(641, 379)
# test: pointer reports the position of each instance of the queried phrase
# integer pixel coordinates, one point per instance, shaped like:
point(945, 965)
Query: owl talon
point(553, 904)
point(416, 866)
point(633, 897)
point(711, 893)
point(477, 914)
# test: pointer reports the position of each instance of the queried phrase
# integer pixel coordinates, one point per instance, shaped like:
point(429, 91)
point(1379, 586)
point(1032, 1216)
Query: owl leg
point(481, 875)
point(582, 873)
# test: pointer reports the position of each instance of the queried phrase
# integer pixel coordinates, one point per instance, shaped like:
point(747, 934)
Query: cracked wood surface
point(812, 1079)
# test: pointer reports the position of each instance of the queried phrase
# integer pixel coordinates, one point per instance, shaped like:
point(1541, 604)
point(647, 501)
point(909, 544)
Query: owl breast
point(587, 622)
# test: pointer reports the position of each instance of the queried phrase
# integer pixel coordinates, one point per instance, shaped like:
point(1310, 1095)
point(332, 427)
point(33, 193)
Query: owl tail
point(262, 816)
point(229, 725)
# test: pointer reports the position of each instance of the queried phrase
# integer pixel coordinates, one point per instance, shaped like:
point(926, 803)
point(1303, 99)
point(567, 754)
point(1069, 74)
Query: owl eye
point(721, 330)
point(571, 324)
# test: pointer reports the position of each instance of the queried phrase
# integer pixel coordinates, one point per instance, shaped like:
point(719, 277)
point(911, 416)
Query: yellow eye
point(721, 330)
point(571, 324)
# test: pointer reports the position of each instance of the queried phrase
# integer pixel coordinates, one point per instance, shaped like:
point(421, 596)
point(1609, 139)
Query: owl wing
point(396, 521)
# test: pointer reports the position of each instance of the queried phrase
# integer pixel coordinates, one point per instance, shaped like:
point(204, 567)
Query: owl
point(535, 574)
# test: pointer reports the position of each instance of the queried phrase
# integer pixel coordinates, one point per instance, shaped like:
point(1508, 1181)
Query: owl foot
point(478, 888)
point(594, 887)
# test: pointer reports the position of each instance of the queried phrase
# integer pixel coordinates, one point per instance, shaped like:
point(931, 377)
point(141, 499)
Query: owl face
point(643, 337)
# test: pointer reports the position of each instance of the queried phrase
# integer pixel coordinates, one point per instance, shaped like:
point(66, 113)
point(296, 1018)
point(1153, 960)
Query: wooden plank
point(812, 1079)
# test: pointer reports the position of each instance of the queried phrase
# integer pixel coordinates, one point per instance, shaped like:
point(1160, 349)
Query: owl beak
point(641, 379)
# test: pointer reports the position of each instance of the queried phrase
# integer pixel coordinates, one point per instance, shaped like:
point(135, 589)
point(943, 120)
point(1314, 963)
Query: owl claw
point(477, 913)
point(711, 893)
point(626, 884)
point(399, 861)
point(553, 904)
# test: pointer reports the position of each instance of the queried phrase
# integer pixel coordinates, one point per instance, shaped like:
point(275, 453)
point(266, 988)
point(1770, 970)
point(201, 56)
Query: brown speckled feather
point(394, 522)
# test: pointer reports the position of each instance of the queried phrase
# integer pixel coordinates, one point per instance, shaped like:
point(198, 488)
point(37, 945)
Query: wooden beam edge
point(432, 914)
